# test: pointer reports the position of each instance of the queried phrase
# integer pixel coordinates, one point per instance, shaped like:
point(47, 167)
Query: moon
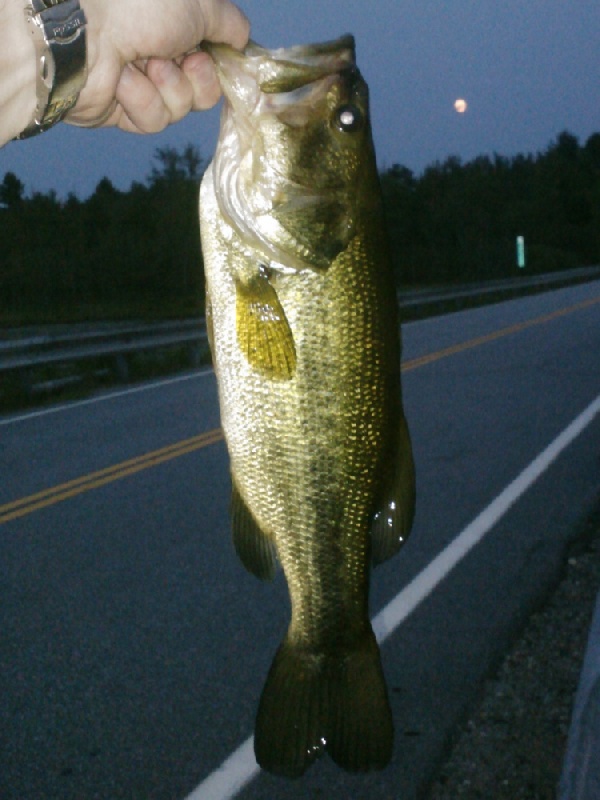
point(460, 105)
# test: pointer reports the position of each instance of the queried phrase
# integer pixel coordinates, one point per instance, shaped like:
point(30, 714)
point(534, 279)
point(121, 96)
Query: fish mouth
point(256, 68)
point(258, 84)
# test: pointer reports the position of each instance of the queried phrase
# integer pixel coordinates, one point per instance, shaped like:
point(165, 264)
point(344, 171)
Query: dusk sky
point(527, 70)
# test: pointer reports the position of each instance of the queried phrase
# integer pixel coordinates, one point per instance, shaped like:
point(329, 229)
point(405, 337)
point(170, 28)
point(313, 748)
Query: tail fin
point(314, 702)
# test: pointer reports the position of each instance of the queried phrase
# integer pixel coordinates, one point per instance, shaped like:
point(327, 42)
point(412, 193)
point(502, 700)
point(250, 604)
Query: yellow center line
point(64, 491)
point(56, 494)
point(499, 334)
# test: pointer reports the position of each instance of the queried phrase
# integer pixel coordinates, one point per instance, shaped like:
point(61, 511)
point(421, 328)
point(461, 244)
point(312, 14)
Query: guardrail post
point(195, 354)
point(121, 367)
point(18, 384)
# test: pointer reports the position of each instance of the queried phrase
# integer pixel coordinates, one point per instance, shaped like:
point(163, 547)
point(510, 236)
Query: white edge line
point(109, 396)
point(398, 609)
point(231, 777)
point(241, 767)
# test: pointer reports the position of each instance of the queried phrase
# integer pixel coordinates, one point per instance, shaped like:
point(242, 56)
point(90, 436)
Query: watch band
point(58, 31)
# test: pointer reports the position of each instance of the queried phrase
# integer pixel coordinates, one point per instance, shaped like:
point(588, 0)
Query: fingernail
point(202, 67)
point(127, 74)
point(168, 73)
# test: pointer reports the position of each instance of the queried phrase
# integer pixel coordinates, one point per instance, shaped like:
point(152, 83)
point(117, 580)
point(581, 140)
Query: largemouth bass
point(305, 340)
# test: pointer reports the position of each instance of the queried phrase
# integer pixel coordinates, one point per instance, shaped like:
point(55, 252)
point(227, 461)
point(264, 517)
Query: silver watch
point(58, 31)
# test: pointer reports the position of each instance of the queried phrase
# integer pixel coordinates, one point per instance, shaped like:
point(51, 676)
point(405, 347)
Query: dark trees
point(136, 253)
point(460, 221)
point(116, 254)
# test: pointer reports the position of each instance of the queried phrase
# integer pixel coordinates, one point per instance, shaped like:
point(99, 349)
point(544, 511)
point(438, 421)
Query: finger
point(142, 103)
point(227, 24)
point(105, 118)
point(173, 86)
point(200, 71)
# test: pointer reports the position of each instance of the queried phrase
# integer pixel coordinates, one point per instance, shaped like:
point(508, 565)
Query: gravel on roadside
point(513, 746)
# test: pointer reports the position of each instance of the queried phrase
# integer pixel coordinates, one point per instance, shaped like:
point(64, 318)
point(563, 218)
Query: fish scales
point(305, 344)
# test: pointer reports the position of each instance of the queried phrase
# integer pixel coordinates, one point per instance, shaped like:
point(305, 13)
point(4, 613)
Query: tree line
point(460, 222)
point(116, 255)
point(136, 253)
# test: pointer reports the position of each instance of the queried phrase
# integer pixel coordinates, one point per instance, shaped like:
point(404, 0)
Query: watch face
point(58, 30)
point(42, 4)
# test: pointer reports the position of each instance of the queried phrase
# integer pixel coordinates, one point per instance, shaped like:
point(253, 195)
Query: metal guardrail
point(25, 351)
point(83, 343)
point(44, 362)
point(508, 286)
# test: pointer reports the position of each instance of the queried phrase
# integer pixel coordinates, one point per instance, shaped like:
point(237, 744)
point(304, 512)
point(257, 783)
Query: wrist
point(17, 71)
point(104, 66)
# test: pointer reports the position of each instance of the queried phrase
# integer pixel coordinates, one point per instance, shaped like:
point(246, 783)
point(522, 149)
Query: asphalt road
point(133, 645)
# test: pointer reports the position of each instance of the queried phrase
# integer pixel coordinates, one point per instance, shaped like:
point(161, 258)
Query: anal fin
point(394, 514)
point(256, 549)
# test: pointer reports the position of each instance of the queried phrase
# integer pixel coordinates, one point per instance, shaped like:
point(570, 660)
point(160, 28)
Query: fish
point(303, 326)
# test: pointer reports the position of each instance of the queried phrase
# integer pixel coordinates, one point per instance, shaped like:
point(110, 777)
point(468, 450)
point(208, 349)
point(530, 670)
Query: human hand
point(142, 71)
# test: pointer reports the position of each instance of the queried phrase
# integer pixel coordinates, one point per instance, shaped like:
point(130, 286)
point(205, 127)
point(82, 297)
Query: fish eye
point(349, 118)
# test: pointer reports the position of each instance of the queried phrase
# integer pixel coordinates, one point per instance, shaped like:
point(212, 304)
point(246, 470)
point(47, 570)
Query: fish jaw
point(245, 74)
point(273, 98)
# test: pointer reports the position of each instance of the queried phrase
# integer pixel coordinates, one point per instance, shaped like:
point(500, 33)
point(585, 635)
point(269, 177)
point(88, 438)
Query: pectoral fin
point(263, 332)
point(256, 549)
point(393, 518)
